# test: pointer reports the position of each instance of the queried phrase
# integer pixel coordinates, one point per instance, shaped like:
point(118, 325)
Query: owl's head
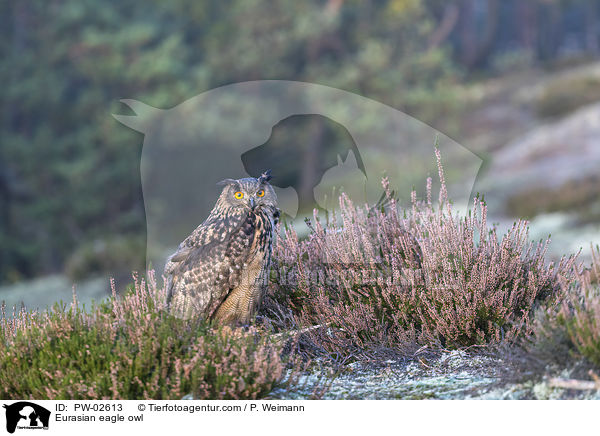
point(248, 193)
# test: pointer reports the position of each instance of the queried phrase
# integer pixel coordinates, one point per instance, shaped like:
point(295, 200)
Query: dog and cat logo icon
point(26, 415)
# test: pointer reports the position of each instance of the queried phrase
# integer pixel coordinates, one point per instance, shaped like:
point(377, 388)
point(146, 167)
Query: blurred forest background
point(514, 81)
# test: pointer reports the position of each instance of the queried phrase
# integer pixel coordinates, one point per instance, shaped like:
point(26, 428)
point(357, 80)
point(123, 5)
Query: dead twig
point(420, 350)
point(580, 385)
point(423, 363)
point(293, 333)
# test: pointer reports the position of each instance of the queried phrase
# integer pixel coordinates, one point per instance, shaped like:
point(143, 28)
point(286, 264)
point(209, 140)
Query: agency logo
point(26, 415)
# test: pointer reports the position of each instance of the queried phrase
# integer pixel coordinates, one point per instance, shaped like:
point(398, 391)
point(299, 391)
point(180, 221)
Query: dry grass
point(580, 196)
point(564, 95)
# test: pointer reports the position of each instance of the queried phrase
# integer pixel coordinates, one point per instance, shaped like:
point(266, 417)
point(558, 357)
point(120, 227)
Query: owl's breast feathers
point(220, 270)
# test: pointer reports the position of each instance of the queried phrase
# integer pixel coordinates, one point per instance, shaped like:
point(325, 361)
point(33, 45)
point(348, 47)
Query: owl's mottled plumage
point(219, 272)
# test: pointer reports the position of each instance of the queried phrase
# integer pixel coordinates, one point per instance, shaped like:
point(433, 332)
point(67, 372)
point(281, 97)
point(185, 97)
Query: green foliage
point(69, 172)
point(72, 171)
point(106, 256)
point(131, 348)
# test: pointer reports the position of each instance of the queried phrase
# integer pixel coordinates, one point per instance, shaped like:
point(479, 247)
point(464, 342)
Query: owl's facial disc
point(247, 194)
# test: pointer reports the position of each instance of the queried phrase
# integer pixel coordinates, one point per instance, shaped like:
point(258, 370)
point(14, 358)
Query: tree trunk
point(476, 49)
point(591, 28)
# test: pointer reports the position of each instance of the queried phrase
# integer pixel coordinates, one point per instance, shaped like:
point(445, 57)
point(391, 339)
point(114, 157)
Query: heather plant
point(570, 329)
point(130, 348)
point(376, 277)
point(584, 326)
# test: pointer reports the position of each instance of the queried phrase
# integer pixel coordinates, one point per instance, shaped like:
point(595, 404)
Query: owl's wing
point(198, 273)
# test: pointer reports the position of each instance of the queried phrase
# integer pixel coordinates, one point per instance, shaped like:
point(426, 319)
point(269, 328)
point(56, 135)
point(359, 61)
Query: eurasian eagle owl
point(219, 272)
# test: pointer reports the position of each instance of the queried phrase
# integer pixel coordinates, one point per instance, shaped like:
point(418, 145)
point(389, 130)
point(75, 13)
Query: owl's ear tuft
point(226, 182)
point(265, 177)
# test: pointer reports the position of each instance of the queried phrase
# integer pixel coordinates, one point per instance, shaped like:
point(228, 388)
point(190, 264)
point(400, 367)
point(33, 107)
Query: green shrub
point(130, 348)
point(567, 330)
point(579, 313)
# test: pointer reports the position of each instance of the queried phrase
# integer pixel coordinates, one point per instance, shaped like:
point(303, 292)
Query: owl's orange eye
point(260, 193)
point(239, 195)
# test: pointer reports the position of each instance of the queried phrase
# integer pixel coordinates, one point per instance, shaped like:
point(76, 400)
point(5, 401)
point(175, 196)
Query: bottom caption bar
point(266, 417)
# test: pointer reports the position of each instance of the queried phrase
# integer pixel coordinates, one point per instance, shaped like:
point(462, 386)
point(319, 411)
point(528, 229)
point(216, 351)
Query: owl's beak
point(251, 203)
